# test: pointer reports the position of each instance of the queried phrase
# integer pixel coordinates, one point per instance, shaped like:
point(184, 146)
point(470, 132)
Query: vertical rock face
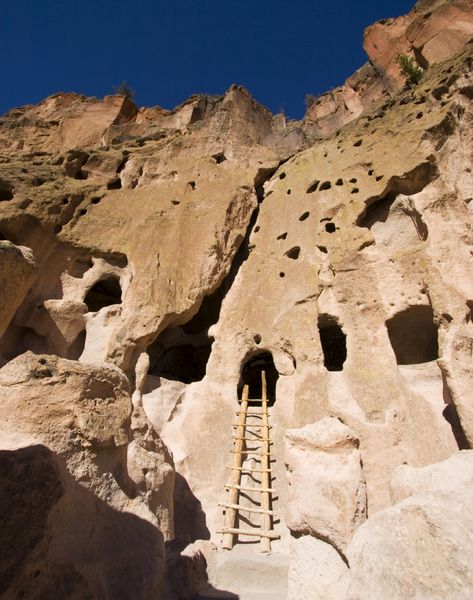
point(150, 259)
point(431, 33)
point(327, 491)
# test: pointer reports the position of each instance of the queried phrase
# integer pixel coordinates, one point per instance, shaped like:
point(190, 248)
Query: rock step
point(214, 594)
point(251, 576)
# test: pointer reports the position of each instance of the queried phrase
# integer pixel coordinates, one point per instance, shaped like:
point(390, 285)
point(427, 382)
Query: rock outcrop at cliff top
point(150, 259)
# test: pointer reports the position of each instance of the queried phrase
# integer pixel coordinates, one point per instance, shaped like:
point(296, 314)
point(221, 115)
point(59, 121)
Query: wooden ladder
point(230, 530)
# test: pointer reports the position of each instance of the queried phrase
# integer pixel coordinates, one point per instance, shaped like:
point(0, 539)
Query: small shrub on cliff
point(311, 99)
point(124, 90)
point(409, 68)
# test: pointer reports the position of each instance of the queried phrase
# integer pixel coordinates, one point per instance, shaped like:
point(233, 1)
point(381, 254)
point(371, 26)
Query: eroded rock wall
point(148, 256)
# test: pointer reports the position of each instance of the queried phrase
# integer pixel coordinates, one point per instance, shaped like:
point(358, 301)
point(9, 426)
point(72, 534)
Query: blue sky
point(280, 50)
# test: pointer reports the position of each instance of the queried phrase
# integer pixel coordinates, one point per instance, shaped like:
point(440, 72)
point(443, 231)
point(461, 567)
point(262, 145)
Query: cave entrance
point(413, 335)
point(251, 376)
point(334, 342)
point(183, 362)
point(104, 292)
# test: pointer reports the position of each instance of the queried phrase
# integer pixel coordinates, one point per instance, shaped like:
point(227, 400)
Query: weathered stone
point(60, 540)
point(327, 491)
point(178, 251)
point(449, 475)
point(316, 571)
point(17, 272)
point(419, 548)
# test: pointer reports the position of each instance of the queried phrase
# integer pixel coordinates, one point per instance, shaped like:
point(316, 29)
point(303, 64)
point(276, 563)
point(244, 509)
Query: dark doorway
point(251, 375)
point(183, 362)
point(334, 343)
point(104, 292)
point(413, 335)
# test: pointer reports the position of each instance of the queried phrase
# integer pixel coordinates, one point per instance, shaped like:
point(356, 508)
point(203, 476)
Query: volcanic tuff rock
point(151, 260)
point(432, 32)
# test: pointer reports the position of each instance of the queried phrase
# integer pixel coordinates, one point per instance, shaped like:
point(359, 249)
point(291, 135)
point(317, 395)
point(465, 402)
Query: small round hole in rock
point(293, 252)
point(288, 192)
point(191, 185)
point(313, 187)
point(282, 176)
point(326, 185)
point(339, 182)
point(330, 227)
point(304, 216)
point(96, 199)
point(355, 191)
point(256, 228)
point(322, 249)
point(219, 158)
point(283, 236)
point(353, 180)
point(257, 338)
point(358, 143)
point(282, 274)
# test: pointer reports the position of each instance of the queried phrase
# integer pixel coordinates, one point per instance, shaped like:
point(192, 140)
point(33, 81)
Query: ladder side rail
point(266, 521)
point(235, 478)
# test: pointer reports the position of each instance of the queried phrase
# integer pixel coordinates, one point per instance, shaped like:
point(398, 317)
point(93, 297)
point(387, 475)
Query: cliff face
point(431, 33)
point(150, 259)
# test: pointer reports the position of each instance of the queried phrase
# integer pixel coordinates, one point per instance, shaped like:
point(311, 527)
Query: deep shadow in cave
point(334, 342)
point(251, 376)
point(104, 292)
point(413, 335)
point(184, 362)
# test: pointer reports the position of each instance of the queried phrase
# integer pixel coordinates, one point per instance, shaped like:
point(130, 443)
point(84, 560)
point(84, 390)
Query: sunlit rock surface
point(152, 259)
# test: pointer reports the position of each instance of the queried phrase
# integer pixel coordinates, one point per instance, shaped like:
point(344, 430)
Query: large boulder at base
point(316, 571)
point(327, 491)
point(449, 474)
point(58, 540)
point(420, 548)
point(87, 484)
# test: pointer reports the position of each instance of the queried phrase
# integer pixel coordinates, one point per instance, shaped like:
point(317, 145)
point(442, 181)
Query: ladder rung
point(247, 508)
point(248, 469)
point(257, 452)
point(250, 414)
point(253, 400)
point(250, 426)
point(252, 439)
point(244, 488)
point(255, 533)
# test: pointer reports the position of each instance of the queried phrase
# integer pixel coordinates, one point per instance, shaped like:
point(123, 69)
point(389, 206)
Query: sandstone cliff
point(152, 260)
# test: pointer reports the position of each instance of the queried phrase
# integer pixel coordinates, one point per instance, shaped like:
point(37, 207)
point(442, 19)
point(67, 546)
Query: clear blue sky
point(279, 49)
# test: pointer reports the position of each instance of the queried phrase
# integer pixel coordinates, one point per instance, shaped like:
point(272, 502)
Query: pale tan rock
point(58, 539)
point(451, 474)
point(316, 571)
point(17, 272)
point(82, 412)
point(327, 491)
point(190, 249)
point(419, 548)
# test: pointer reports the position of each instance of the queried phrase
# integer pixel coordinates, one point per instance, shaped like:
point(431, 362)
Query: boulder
point(316, 571)
point(448, 475)
point(327, 490)
point(420, 548)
